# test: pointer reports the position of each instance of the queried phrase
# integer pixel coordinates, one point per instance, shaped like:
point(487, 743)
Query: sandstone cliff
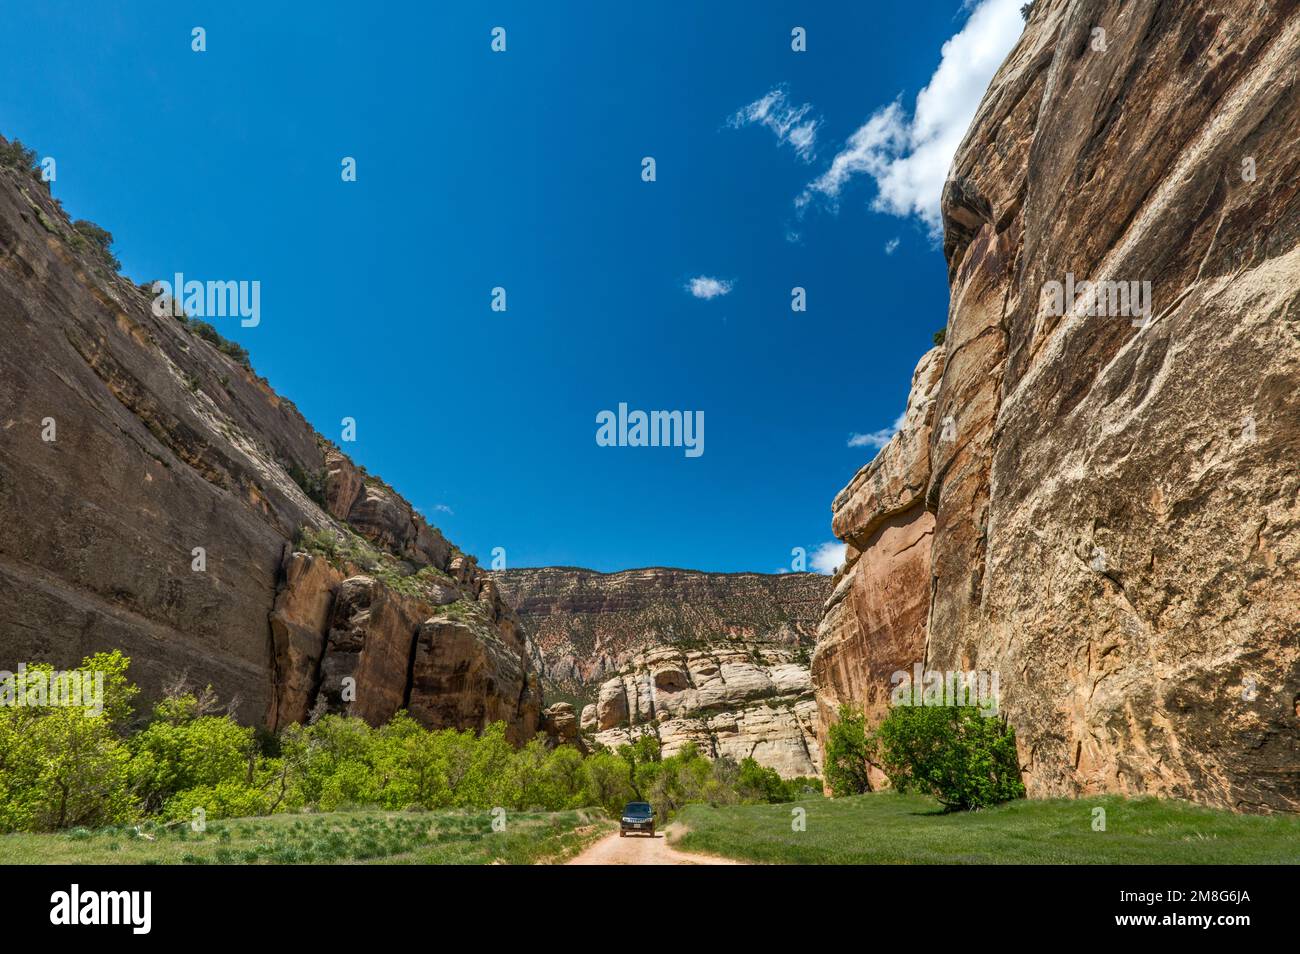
point(874, 622)
point(720, 659)
point(588, 625)
point(741, 701)
point(163, 444)
point(1112, 517)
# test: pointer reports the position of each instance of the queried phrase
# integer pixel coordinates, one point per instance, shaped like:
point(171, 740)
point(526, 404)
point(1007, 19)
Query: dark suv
point(637, 816)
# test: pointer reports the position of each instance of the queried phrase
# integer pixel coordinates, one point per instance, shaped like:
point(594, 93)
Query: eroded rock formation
point(724, 654)
point(163, 444)
point(741, 701)
point(588, 625)
point(1116, 507)
point(875, 620)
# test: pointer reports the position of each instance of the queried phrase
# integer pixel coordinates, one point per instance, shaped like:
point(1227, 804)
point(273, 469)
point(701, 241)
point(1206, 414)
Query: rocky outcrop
point(588, 625)
point(147, 505)
point(1116, 506)
point(741, 701)
point(719, 659)
point(560, 723)
point(874, 622)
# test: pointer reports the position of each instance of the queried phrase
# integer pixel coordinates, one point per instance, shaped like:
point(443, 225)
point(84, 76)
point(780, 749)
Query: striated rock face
point(588, 625)
point(164, 444)
point(560, 723)
point(720, 659)
point(739, 701)
point(874, 622)
point(1116, 517)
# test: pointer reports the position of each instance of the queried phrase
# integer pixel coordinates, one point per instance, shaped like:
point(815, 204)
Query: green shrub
point(183, 750)
point(15, 155)
point(209, 333)
point(962, 758)
point(61, 765)
point(757, 783)
point(229, 798)
point(311, 482)
point(61, 768)
point(847, 754)
point(100, 241)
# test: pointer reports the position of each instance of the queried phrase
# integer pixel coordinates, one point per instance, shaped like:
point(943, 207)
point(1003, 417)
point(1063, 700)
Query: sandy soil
point(642, 850)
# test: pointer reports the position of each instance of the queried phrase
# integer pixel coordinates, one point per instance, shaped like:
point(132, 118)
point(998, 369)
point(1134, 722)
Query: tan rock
point(467, 674)
point(1116, 529)
point(588, 626)
point(560, 722)
point(166, 444)
point(737, 701)
point(875, 619)
point(299, 623)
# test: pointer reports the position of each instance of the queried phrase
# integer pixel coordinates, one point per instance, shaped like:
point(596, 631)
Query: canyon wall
point(130, 440)
point(718, 659)
point(740, 701)
point(874, 622)
point(1114, 504)
point(588, 625)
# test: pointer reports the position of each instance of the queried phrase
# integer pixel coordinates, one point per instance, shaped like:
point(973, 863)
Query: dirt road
point(640, 850)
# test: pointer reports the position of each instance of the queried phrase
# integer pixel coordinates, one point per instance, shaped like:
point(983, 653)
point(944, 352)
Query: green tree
point(181, 749)
point(17, 156)
point(64, 765)
point(100, 241)
point(529, 779)
point(566, 779)
point(962, 758)
point(333, 762)
point(609, 781)
point(847, 753)
point(757, 783)
point(641, 756)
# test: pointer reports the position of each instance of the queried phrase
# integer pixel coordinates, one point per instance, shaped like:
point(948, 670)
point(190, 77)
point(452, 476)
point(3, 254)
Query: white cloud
point(828, 557)
point(791, 124)
point(891, 246)
point(909, 157)
point(443, 508)
point(877, 439)
point(706, 288)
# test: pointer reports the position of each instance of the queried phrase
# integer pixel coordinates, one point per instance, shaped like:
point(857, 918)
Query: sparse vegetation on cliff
point(347, 550)
point(99, 240)
point(14, 155)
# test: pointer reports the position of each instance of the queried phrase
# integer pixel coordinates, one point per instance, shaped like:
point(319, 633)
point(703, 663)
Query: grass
point(357, 837)
point(888, 828)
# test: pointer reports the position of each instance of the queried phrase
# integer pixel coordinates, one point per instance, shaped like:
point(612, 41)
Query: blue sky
point(522, 169)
